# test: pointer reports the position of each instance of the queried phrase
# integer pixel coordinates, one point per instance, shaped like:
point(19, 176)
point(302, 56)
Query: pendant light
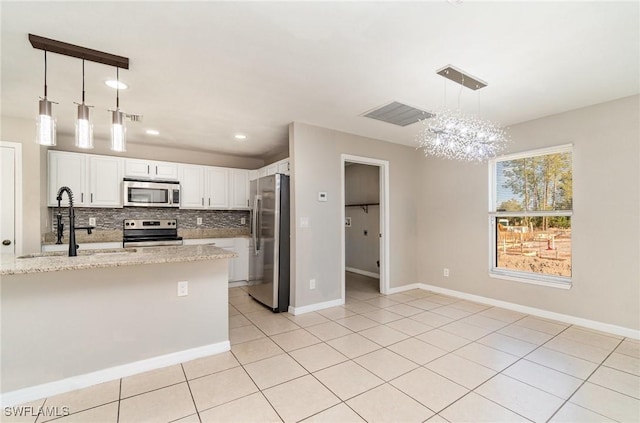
point(84, 126)
point(118, 128)
point(45, 123)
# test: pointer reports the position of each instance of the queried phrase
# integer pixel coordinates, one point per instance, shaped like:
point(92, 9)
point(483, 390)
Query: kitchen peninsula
point(69, 322)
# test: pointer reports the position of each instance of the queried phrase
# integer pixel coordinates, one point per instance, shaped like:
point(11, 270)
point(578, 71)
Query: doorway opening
point(365, 238)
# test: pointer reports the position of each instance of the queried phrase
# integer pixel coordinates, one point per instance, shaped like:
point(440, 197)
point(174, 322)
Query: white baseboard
point(403, 288)
point(238, 283)
point(315, 307)
point(362, 272)
point(32, 393)
point(566, 318)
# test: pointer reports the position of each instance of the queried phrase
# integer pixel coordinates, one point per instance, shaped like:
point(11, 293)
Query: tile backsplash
point(111, 219)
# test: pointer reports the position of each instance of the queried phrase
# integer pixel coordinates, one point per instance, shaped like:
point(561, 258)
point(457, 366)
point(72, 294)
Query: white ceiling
point(202, 71)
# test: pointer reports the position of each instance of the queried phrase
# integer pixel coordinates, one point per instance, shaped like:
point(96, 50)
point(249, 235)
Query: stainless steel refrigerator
point(269, 245)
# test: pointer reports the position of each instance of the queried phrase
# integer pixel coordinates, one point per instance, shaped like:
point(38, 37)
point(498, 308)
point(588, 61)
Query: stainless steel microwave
point(146, 193)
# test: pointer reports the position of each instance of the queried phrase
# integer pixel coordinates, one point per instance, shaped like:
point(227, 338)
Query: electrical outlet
point(198, 221)
point(243, 220)
point(445, 272)
point(183, 288)
point(92, 221)
point(312, 284)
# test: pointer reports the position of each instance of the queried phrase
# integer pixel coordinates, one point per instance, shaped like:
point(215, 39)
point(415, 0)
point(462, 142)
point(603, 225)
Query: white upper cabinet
point(238, 189)
point(68, 170)
point(281, 166)
point(217, 187)
point(272, 169)
point(192, 187)
point(96, 181)
point(105, 181)
point(204, 187)
point(135, 168)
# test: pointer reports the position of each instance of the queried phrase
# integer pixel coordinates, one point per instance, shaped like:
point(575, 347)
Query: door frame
point(383, 186)
point(17, 183)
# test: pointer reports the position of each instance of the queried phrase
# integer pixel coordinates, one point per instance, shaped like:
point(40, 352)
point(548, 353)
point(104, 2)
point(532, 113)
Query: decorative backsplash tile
point(111, 219)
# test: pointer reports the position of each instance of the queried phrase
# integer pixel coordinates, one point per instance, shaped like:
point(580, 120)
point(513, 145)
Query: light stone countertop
point(89, 259)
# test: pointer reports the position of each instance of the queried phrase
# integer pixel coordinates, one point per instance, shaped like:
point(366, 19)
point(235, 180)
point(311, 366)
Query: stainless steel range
point(147, 233)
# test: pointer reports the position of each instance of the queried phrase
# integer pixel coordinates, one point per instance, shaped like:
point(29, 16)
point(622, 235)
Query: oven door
point(150, 194)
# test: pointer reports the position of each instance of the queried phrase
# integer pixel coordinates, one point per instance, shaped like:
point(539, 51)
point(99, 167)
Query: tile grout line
point(582, 384)
point(510, 365)
point(119, 400)
point(453, 351)
point(190, 393)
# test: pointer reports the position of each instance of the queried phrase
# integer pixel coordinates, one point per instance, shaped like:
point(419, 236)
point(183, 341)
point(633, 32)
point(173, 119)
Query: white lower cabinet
point(238, 266)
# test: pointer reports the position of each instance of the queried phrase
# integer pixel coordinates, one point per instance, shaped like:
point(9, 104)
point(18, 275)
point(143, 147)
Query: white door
point(8, 196)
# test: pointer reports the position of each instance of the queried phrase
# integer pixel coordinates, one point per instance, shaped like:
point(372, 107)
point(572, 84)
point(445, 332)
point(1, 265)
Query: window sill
point(548, 281)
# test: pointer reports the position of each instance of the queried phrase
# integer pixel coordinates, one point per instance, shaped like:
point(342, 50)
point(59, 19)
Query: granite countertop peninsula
point(88, 259)
point(99, 235)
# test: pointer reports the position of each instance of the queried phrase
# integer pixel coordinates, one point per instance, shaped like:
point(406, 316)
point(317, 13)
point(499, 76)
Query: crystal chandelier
point(454, 135)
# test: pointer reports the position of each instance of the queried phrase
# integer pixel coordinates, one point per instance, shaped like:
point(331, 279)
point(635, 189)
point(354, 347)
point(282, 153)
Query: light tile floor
point(410, 357)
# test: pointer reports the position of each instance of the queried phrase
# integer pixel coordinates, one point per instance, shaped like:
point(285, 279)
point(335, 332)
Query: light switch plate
point(198, 221)
point(322, 196)
point(92, 221)
point(304, 222)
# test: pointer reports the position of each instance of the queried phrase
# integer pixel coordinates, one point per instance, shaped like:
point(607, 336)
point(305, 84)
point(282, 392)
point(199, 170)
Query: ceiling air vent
point(134, 118)
point(398, 114)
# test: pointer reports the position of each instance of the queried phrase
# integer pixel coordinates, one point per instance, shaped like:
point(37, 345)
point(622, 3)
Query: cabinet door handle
point(92, 197)
point(148, 170)
point(203, 201)
point(209, 201)
point(156, 170)
point(82, 197)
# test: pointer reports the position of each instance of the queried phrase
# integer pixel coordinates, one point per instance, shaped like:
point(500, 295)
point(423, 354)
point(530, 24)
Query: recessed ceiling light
point(240, 137)
point(152, 132)
point(112, 83)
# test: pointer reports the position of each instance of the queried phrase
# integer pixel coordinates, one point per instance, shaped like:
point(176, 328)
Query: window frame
point(562, 282)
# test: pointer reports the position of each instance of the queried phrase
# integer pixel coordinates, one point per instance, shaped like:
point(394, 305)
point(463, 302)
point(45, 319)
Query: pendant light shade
point(118, 131)
point(118, 128)
point(45, 123)
point(84, 126)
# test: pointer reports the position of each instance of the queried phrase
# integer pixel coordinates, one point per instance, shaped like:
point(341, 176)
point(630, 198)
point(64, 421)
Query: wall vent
point(398, 114)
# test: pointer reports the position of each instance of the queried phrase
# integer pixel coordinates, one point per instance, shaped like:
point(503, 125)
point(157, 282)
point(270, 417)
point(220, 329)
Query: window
point(530, 216)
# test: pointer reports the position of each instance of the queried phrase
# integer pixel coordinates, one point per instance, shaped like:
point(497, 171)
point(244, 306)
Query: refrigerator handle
point(258, 223)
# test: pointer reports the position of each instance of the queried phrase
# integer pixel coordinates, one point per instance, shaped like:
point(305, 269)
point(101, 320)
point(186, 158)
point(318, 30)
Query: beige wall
point(362, 186)
point(453, 223)
point(157, 152)
point(315, 155)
